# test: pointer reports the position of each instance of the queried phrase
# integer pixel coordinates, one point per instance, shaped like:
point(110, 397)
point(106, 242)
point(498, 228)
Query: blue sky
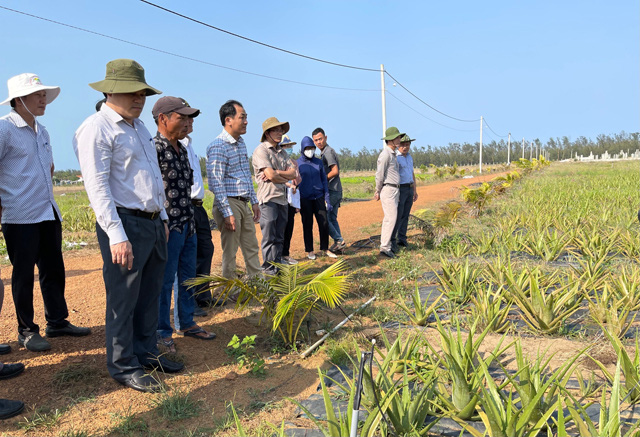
point(536, 69)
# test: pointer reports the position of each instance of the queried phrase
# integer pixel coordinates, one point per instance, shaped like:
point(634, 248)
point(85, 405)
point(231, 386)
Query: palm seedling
point(546, 306)
point(477, 197)
point(421, 311)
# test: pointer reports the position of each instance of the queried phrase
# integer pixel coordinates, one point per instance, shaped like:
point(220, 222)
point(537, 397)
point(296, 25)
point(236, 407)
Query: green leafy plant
point(243, 354)
point(491, 308)
point(614, 311)
point(457, 281)
point(478, 197)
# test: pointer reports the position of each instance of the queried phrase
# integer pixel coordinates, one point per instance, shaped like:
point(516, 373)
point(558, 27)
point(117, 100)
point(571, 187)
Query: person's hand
point(329, 207)
point(230, 223)
point(166, 230)
point(293, 190)
point(122, 254)
point(376, 196)
point(415, 196)
point(262, 177)
point(256, 212)
point(298, 210)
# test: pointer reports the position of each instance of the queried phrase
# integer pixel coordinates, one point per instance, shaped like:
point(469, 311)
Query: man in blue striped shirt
point(229, 176)
point(29, 214)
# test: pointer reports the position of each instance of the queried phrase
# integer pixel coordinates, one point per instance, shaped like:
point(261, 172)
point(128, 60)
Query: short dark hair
point(100, 103)
point(317, 131)
point(13, 103)
point(229, 110)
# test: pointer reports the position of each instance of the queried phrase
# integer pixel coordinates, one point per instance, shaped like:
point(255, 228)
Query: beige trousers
point(243, 237)
point(389, 197)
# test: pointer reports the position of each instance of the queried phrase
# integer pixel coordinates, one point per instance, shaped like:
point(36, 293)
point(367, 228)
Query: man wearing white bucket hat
point(29, 214)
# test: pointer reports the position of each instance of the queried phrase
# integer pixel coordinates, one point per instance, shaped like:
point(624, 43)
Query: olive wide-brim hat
point(392, 133)
point(272, 122)
point(124, 76)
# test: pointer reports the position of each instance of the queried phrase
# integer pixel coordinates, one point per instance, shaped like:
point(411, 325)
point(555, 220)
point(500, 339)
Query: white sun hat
point(29, 83)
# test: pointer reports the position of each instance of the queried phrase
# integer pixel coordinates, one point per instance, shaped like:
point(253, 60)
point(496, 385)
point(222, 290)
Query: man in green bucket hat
point(388, 187)
point(119, 164)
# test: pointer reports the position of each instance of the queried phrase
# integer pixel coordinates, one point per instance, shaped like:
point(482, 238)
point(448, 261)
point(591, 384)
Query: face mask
point(289, 150)
point(309, 153)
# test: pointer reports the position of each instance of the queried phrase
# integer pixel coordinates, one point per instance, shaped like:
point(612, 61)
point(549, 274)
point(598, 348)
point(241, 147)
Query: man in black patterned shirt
point(172, 115)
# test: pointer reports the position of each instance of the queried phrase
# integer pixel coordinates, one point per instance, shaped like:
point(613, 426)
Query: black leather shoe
point(34, 342)
point(11, 370)
point(4, 349)
point(387, 253)
point(164, 365)
point(9, 408)
point(199, 312)
point(142, 382)
point(71, 330)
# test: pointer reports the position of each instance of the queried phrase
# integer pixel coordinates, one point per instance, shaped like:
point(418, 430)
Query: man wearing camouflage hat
point(119, 164)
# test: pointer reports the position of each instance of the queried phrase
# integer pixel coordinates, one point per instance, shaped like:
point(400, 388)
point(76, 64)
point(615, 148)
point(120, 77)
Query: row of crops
point(556, 254)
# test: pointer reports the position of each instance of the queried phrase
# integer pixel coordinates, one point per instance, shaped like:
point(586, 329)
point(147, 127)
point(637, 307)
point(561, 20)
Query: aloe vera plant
point(546, 244)
point(546, 307)
point(614, 312)
point(421, 311)
point(457, 280)
point(458, 360)
point(491, 308)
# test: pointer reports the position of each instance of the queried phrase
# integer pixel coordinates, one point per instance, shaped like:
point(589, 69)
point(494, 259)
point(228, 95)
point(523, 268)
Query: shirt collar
point(226, 136)
point(166, 144)
point(113, 116)
point(19, 121)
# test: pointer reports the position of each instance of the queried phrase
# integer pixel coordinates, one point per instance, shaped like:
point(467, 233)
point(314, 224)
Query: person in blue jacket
point(314, 198)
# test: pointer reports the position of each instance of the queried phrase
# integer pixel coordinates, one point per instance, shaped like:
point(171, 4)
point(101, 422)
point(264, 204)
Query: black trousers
point(204, 255)
point(405, 203)
point(308, 209)
point(132, 296)
point(38, 244)
point(288, 231)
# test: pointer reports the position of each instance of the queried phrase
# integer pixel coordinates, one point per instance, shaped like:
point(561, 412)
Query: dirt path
point(208, 375)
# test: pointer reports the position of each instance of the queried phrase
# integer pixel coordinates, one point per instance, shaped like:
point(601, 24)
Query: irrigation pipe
point(338, 326)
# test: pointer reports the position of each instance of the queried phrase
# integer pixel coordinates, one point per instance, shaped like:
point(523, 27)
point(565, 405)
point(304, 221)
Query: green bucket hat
point(392, 133)
point(124, 76)
point(406, 139)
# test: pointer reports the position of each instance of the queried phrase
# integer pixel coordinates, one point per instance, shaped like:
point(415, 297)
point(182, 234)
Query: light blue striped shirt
point(26, 161)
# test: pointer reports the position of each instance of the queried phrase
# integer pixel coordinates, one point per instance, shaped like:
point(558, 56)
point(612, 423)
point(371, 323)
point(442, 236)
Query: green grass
point(177, 404)
point(128, 424)
point(41, 417)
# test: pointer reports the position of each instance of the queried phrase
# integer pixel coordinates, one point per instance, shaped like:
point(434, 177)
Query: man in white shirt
point(119, 164)
point(31, 220)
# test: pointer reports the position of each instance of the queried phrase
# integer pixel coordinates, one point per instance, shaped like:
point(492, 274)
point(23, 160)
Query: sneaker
point(289, 260)
point(34, 342)
point(311, 255)
point(69, 329)
point(387, 253)
point(330, 254)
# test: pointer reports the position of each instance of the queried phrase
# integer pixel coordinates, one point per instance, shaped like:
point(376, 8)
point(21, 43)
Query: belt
point(196, 202)
point(243, 199)
point(392, 185)
point(406, 185)
point(138, 213)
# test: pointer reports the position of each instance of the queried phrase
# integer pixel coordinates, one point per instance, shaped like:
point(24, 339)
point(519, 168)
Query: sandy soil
point(94, 401)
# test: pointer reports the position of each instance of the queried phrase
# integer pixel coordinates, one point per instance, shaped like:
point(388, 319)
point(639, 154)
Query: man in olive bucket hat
point(273, 169)
point(31, 220)
point(388, 187)
point(119, 164)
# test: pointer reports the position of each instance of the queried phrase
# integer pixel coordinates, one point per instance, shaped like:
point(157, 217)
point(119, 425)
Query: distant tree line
point(496, 152)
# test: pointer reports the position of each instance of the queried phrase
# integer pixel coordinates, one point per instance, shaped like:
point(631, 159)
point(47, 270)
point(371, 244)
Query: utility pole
point(481, 144)
point(531, 151)
point(509, 150)
point(384, 104)
point(522, 147)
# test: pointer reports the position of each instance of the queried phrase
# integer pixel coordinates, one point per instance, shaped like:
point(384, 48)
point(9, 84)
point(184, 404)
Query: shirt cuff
point(117, 235)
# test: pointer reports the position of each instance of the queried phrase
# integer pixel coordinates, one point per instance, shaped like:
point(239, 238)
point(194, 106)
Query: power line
point(256, 41)
point(422, 115)
point(438, 111)
point(485, 122)
point(182, 56)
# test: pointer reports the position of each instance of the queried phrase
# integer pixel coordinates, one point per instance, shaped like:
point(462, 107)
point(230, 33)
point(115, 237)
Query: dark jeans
point(273, 221)
point(399, 235)
point(38, 244)
point(205, 254)
point(181, 260)
point(317, 208)
point(288, 231)
point(132, 295)
point(335, 197)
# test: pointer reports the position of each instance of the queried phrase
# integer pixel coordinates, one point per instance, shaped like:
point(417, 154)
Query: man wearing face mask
point(314, 198)
point(273, 169)
point(388, 187)
point(29, 214)
point(293, 198)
